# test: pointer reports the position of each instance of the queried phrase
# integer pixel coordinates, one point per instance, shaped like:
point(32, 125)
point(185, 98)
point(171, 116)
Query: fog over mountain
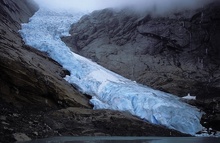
point(157, 6)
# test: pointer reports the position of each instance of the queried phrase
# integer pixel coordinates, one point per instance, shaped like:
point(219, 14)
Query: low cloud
point(157, 6)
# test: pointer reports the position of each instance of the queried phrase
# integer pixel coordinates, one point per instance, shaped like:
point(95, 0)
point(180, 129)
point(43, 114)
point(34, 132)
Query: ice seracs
point(108, 90)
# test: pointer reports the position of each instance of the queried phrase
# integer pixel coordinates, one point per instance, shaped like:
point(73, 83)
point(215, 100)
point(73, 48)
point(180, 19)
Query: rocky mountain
point(178, 53)
point(35, 100)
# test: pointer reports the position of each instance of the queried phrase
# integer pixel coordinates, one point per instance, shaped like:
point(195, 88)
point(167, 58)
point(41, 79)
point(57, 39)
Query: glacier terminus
point(107, 89)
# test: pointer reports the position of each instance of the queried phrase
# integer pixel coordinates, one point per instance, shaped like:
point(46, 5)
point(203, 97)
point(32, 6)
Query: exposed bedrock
point(178, 53)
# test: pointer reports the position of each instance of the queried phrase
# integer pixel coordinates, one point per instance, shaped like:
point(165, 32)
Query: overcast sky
point(90, 5)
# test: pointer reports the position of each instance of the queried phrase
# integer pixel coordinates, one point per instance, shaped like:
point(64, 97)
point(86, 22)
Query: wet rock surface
point(210, 119)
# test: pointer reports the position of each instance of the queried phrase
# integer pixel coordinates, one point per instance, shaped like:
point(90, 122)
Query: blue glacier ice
point(108, 90)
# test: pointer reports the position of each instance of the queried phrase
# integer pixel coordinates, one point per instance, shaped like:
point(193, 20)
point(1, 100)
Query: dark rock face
point(179, 53)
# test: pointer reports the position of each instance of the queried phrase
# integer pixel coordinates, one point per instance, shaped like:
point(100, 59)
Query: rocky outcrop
point(178, 53)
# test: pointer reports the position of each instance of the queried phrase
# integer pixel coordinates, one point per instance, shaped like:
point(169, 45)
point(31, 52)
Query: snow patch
point(189, 97)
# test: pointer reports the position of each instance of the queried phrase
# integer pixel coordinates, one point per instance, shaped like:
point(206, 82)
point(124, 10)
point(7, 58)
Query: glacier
point(107, 89)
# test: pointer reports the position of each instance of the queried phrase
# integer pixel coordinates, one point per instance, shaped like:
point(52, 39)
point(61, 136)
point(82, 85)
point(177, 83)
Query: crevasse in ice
point(108, 90)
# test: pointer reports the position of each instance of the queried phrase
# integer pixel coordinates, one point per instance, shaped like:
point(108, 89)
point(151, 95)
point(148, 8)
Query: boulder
point(21, 137)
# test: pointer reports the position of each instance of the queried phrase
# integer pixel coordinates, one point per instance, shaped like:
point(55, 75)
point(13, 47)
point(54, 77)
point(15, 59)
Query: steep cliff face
point(178, 53)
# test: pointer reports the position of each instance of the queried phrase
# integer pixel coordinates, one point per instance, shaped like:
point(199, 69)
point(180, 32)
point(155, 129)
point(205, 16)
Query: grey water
point(128, 140)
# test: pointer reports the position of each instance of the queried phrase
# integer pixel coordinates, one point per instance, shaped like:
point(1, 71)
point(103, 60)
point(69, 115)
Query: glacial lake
point(128, 140)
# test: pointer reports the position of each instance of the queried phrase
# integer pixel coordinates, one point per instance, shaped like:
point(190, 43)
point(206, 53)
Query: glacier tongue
point(108, 90)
